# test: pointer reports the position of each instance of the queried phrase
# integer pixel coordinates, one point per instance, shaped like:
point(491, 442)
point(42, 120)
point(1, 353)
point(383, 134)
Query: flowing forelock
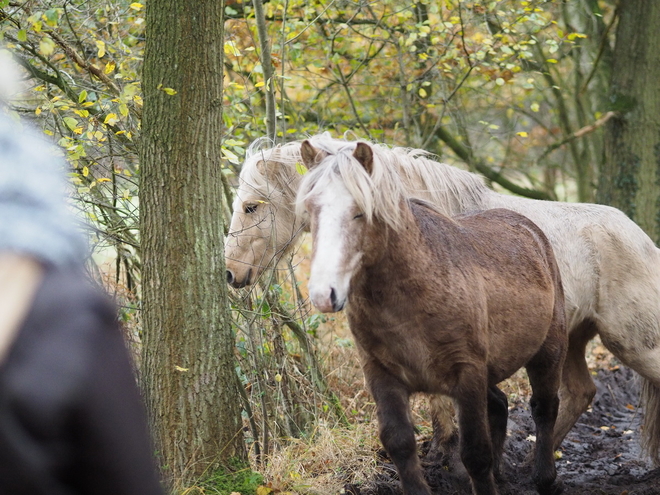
point(378, 194)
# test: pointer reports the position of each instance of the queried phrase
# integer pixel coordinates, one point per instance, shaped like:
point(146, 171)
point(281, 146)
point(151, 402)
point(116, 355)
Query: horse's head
point(338, 196)
point(263, 224)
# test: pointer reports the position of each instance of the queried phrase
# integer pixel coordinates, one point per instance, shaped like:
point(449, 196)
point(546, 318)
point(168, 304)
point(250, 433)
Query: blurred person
point(71, 417)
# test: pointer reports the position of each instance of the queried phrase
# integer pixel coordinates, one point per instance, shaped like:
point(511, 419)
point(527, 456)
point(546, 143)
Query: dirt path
point(600, 456)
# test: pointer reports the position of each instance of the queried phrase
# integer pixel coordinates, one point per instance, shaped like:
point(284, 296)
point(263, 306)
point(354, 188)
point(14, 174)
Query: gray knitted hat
point(34, 217)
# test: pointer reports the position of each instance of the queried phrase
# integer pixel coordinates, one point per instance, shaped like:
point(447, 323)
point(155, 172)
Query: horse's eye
point(250, 208)
point(359, 215)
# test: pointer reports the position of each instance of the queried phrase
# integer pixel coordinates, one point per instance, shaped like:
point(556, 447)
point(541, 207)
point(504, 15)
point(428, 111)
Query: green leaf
point(82, 96)
point(300, 168)
point(52, 16)
point(70, 122)
point(21, 35)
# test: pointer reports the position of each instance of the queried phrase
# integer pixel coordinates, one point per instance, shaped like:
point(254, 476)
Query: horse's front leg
point(475, 435)
point(396, 429)
point(498, 414)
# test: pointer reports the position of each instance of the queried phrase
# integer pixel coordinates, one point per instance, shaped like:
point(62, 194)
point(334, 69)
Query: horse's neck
point(408, 248)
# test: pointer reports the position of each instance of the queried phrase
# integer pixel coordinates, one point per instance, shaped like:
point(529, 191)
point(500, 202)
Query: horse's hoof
point(554, 488)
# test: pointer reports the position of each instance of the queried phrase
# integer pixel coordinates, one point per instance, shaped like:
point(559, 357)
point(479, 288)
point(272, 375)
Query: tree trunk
point(188, 364)
point(630, 174)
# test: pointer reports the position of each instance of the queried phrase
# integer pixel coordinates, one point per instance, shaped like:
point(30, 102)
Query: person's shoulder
point(72, 291)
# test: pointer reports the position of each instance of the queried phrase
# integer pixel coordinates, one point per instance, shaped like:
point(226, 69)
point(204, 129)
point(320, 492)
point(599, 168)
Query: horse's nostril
point(230, 277)
point(333, 298)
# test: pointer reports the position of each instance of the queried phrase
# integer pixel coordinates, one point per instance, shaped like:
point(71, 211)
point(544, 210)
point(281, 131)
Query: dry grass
point(324, 462)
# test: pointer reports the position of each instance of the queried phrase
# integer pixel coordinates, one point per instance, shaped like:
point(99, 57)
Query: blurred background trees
point(551, 100)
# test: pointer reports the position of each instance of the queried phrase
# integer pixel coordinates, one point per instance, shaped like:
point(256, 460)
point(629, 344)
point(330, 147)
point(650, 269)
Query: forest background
point(154, 104)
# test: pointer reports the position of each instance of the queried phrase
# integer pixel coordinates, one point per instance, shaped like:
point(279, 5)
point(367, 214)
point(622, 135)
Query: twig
point(577, 134)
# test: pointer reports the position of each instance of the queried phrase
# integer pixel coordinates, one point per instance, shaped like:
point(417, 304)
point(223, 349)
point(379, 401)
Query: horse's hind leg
point(396, 431)
point(444, 427)
point(577, 387)
point(544, 371)
point(498, 414)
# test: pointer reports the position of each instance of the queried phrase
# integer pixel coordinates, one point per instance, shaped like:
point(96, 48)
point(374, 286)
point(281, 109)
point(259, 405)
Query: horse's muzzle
point(238, 284)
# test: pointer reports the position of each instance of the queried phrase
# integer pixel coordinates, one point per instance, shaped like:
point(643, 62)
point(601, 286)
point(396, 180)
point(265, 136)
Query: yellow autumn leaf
point(109, 67)
point(422, 92)
point(522, 134)
point(300, 168)
point(230, 48)
point(179, 368)
point(85, 171)
point(259, 84)
point(101, 48)
point(110, 119)
point(46, 47)
point(552, 60)
point(103, 179)
point(169, 91)
point(534, 107)
point(136, 6)
point(264, 490)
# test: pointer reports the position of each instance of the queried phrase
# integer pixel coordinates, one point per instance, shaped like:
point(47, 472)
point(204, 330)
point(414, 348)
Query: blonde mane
point(452, 190)
point(398, 173)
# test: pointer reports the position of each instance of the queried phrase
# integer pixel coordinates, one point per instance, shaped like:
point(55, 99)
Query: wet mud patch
point(600, 456)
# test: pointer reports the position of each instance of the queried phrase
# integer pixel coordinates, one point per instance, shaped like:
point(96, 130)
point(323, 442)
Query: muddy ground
point(600, 456)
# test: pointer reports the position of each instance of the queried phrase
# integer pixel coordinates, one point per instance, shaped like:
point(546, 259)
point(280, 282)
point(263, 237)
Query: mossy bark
point(630, 175)
point(188, 364)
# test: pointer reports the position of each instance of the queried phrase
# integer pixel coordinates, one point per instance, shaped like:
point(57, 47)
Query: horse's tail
point(650, 400)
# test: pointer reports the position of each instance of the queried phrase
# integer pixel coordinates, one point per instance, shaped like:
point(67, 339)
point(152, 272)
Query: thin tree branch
point(588, 129)
point(267, 67)
point(466, 155)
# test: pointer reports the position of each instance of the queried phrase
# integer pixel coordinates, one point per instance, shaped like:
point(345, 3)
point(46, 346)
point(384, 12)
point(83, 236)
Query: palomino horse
point(437, 305)
point(610, 268)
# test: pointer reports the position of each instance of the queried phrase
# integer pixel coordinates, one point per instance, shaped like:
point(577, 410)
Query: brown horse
point(438, 305)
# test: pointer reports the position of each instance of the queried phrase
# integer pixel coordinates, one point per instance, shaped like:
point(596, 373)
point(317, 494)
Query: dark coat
point(71, 417)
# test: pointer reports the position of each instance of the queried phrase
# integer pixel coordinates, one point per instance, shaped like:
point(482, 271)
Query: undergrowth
point(236, 479)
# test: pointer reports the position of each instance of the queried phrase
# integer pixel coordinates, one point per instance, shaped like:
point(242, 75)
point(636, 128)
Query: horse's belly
point(513, 342)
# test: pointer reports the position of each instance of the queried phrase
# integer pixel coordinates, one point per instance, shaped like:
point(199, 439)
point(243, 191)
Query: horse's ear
point(365, 156)
point(311, 156)
point(268, 168)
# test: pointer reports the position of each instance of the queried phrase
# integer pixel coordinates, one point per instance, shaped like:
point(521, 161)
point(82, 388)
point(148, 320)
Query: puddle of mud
point(600, 456)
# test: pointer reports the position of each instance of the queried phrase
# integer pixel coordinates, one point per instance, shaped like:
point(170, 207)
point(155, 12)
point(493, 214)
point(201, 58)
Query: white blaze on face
point(335, 251)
